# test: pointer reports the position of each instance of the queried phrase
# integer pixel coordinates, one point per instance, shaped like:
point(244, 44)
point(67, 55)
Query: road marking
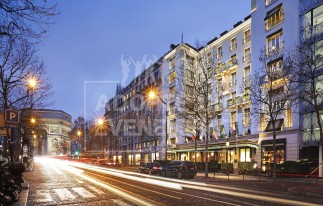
point(79, 181)
point(83, 192)
point(96, 190)
point(64, 194)
point(119, 202)
point(43, 196)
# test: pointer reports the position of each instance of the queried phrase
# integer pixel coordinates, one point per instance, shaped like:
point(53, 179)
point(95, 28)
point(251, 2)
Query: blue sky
point(85, 46)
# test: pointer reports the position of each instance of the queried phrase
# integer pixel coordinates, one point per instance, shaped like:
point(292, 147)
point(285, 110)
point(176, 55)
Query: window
point(171, 63)
point(233, 79)
point(274, 17)
point(275, 66)
point(233, 120)
point(233, 44)
point(172, 78)
point(246, 75)
point(189, 89)
point(246, 117)
point(219, 53)
point(171, 109)
point(289, 118)
point(172, 92)
point(173, 141)
point(262, 121)
point(313, 22)
point(246, 55)
point(172, 127)
point(246, 36)
point(245, 155)
point(275, 42)
point(218, 122)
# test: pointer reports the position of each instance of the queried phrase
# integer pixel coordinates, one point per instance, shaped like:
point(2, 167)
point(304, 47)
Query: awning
point(278, 125)
point(271, 12)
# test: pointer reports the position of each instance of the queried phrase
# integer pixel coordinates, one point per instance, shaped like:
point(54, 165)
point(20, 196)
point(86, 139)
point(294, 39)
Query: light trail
point(160, 181)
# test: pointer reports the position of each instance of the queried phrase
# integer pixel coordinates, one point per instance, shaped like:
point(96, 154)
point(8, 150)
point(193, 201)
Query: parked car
point(180, 169)
point(150, 168)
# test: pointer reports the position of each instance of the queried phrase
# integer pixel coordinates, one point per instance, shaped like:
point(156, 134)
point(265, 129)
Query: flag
point(214, 135)
point(193, 138)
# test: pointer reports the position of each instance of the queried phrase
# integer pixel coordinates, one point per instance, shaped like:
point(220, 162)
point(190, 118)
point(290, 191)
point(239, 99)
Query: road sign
point(12, 116)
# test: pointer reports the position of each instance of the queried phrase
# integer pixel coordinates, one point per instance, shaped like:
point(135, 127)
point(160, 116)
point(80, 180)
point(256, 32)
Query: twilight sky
point(85, 49)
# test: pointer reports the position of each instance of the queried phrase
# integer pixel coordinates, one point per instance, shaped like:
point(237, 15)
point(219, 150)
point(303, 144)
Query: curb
point(23, 196)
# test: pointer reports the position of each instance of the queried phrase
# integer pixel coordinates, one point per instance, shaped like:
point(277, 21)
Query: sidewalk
point(306, 187)
point(23, 196)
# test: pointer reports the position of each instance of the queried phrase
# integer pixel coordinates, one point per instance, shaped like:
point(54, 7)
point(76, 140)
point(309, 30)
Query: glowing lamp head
point(33, 120)
point(78, 133)
point(227, 143)
point(100, 121)
point(152, 95)
point(32, 83)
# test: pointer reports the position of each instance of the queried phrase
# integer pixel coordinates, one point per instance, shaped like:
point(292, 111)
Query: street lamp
point(227, 145)
point(100, 123)
point(152, 94)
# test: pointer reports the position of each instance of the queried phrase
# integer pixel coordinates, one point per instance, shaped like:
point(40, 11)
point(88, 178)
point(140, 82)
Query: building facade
point(273, 25)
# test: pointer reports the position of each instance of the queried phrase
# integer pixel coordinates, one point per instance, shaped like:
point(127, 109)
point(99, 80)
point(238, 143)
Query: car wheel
point(149, 172)
point(179, 175)
point(139, 170)
point(163, 173)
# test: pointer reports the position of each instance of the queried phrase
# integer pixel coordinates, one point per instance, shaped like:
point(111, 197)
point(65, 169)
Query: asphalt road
point(78, 183)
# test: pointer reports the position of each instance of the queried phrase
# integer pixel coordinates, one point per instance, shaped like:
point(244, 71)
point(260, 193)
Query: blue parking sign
point(12, 116)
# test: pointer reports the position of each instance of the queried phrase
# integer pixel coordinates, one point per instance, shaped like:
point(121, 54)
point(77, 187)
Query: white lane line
point(83, 192)
point(79, 181)
point(94, 189)
point(42, 196)
point(119, 202)
point(64, 194)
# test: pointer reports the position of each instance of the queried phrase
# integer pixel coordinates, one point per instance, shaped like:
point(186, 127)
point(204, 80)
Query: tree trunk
point(207, 151)
point(274, 147)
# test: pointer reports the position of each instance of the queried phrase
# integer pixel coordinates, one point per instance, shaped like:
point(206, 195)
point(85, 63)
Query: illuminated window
point(275, 42)
point(245, 155)
point(262, 122)
point(274, 17)
point(289, 118)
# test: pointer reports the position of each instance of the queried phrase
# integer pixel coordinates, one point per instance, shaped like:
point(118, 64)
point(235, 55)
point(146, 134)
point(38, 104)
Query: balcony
point(275, 49)
point(217, 107)
point(246, 98)
point(226, 66)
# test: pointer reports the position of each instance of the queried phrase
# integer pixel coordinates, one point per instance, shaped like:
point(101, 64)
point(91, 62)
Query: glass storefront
point(267, 153)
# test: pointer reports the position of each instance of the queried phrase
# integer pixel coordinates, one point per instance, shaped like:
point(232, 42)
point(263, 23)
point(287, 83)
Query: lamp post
point(100, 124)
point(227, 154)
point(78, 133)
point(152, 94)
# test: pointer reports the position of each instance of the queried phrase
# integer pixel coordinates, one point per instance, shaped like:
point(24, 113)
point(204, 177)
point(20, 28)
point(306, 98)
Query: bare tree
point(306, 60)
point(25, 19)
point(195, 95)
point(273, 93)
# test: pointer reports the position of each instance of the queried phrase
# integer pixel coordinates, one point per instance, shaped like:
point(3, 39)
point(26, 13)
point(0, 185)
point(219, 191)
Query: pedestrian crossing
point(66, 194)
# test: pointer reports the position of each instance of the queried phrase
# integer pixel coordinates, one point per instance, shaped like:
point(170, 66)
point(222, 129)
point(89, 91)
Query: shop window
point(267, 153)
point(245, 155)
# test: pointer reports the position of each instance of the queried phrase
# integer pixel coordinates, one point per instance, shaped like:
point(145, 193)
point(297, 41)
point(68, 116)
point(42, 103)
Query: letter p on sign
point(11, 116)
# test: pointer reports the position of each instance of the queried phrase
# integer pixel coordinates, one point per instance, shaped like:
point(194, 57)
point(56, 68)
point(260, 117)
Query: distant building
point(52, 138)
